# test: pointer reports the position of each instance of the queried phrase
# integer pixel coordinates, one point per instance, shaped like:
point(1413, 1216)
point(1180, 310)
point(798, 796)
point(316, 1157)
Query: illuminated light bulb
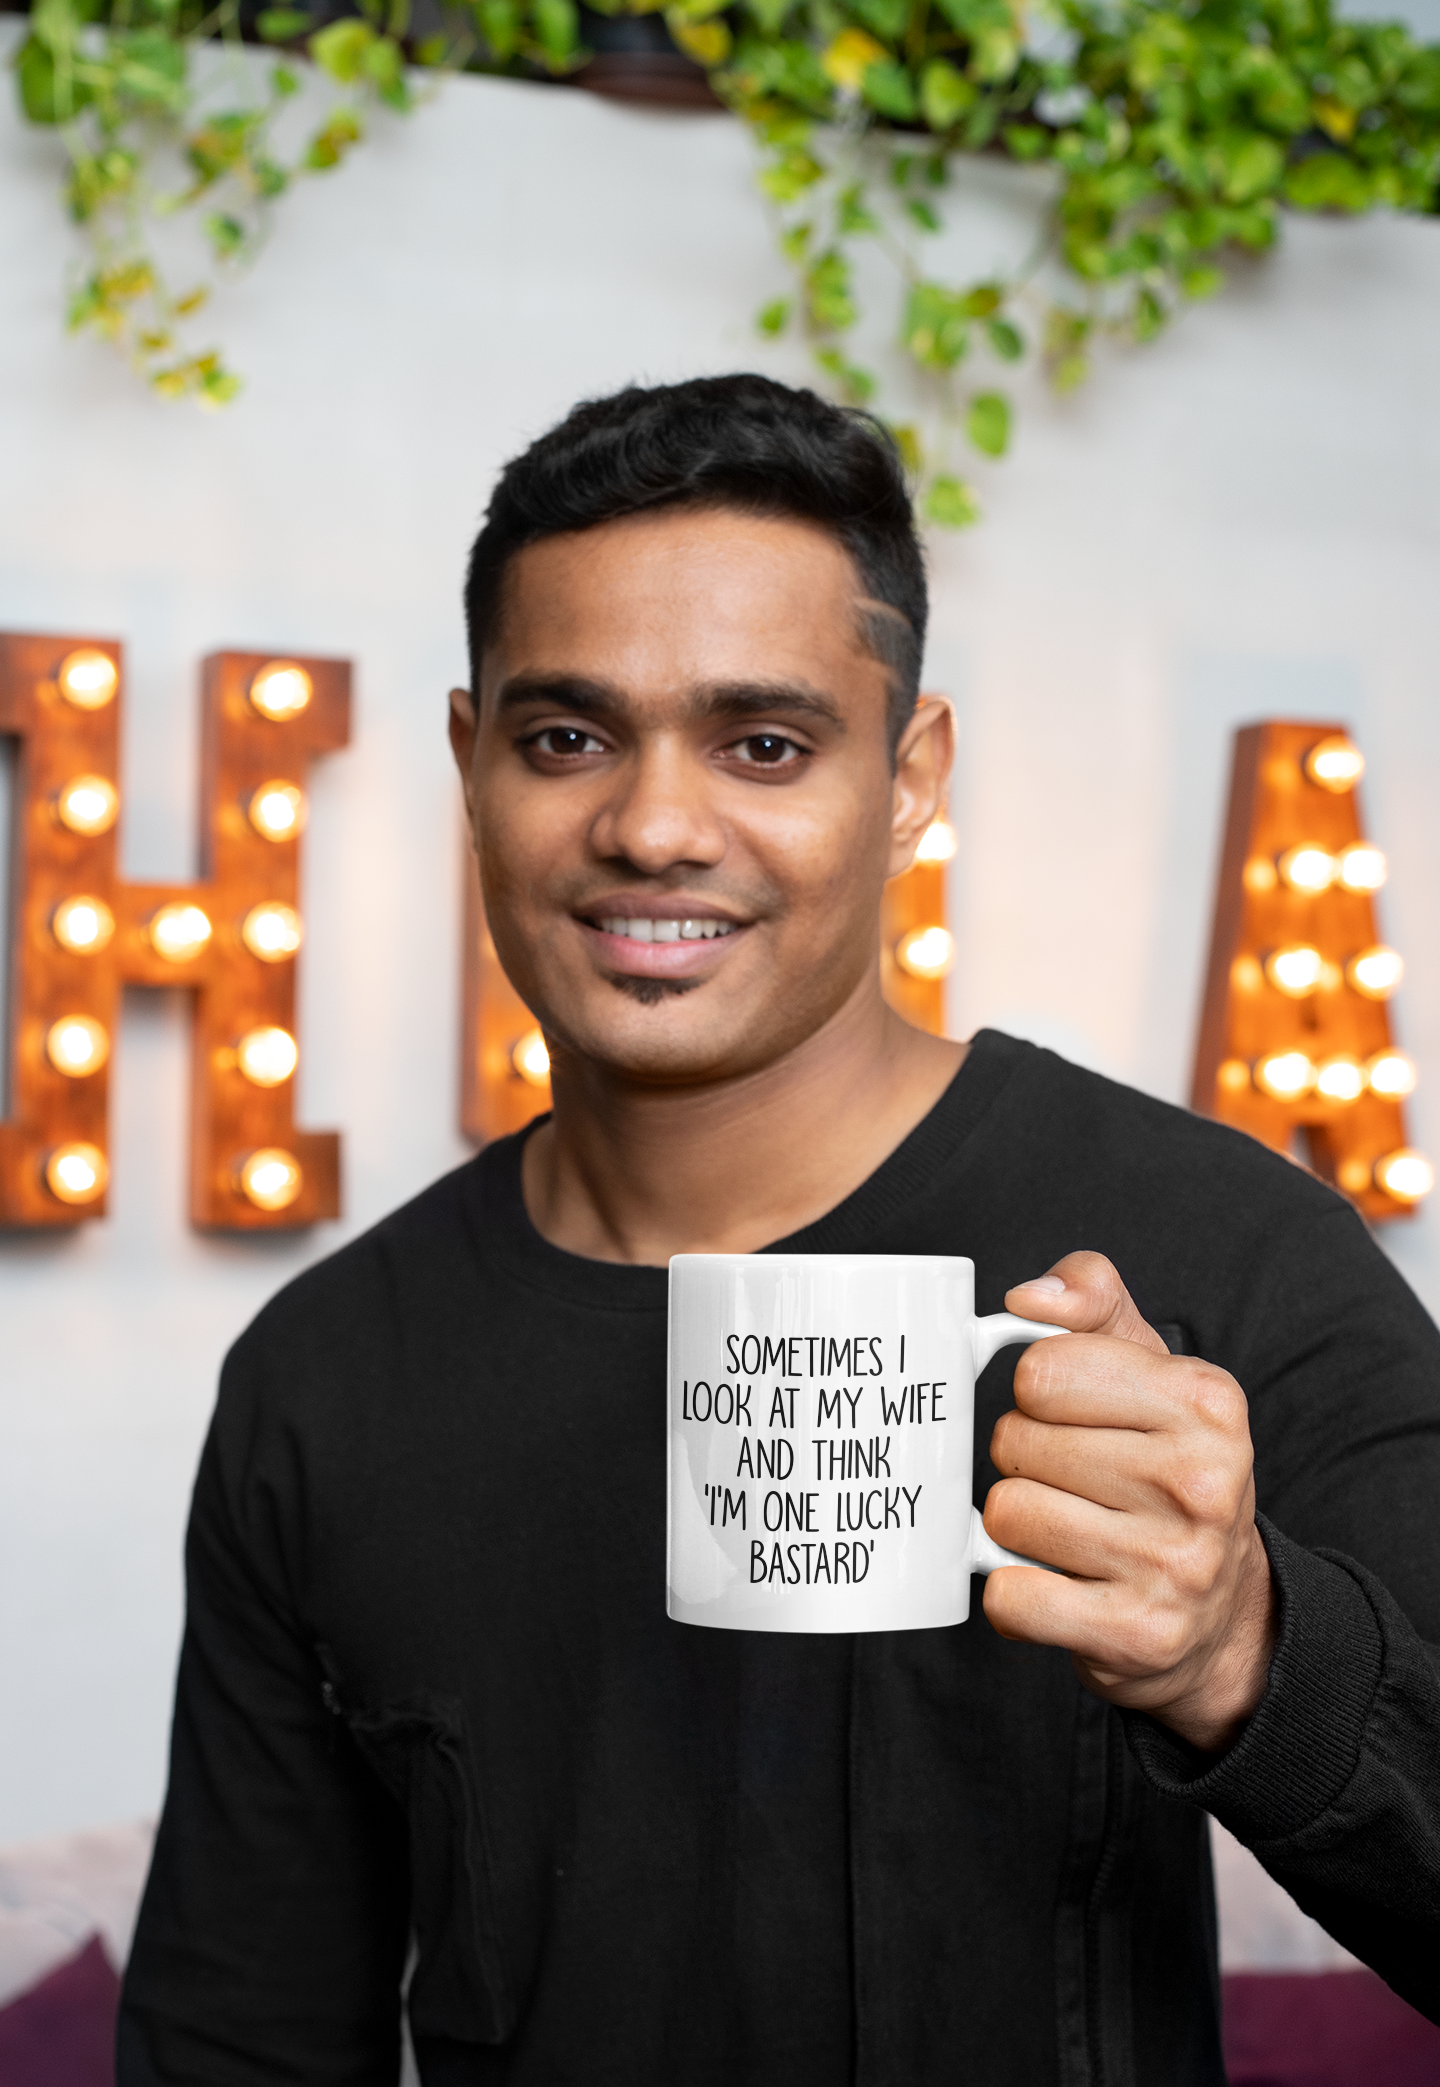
point(1285, 1075)
point(77, 1045)
point(1361, 868)
point(277, 811)
point(1335, 763)
point(925, 952)
point(281, 691)
point(1405, 1174)
point(937, 842)
point(267, 1057)
point(1295, 970)
point(1376, 971)
point(1341, 1078)
point(88, 805)
point(1233, 1076)
point(179, 932)
point(1246, 975)
point(272, 932)
point(1307, 868)
point(1259, 875)
point(88, 679)
point(82, 925)
point(531, 1059)
point(1391, 1075)
point(77, 1173)
point(271, 1178)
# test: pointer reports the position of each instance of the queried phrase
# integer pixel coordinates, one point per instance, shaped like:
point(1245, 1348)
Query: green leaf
point(945, 94)
point(1149, 316)
point(330, 143)
point(283, 82)
point(934, 328)
point(1325, 181)
point(951, 503)
point(281, 24)
point(774, 317)
point(1199, 282)
point(852, 219)
point(857, 385)
point(500, 26)
point(827, 294)
point(226, 234)
point(987, 423)
point(888, 87)
point(340, 48)
point(789, 174)
point(920, 213)
point(768, 15)
point(1005, 340)
point(557, 28)
point(907, 440)
point(48, 93)
point(886, 17)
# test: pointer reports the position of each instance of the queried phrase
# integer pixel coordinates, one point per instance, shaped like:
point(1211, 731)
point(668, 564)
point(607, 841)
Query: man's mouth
point(667, 930)
point(662, 945)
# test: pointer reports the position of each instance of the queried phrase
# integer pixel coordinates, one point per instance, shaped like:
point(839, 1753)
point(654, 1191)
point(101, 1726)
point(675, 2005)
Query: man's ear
point(922, 777)
point(462, 742)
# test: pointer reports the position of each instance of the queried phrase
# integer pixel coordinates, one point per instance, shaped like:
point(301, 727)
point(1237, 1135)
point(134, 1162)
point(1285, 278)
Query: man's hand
point(1131, 1470)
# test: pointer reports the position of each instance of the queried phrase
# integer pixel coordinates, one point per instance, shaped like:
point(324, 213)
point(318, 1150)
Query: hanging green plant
point(1173, 135)
point(165, 111)
point(1169, 135)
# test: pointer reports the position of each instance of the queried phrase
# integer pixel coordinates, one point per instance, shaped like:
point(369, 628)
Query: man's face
point(681, 791)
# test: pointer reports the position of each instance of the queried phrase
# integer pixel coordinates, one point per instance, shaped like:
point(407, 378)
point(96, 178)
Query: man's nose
point(660, 815)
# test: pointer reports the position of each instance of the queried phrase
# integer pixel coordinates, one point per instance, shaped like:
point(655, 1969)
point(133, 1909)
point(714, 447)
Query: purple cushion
point(62, 2032)
point(1323, 2029)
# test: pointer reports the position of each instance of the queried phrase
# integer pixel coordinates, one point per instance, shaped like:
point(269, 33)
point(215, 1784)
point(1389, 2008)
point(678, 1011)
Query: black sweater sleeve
point(1335, 1782)
point(271, 1937)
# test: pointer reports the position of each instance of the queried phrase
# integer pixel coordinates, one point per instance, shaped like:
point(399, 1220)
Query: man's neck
point(625, 1172)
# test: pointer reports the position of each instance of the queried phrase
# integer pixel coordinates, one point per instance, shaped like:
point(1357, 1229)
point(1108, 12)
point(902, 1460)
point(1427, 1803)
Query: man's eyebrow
point(569, 691)
point(734, 701)
point(741, 700)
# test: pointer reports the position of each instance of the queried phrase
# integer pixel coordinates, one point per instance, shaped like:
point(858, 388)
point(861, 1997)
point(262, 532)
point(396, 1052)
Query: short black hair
point(741, 442)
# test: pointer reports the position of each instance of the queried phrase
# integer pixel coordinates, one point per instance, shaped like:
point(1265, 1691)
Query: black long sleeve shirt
point(428, 1687)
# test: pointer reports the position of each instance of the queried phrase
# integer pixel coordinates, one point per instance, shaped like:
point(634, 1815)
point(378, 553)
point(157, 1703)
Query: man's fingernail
point(1052, 1285)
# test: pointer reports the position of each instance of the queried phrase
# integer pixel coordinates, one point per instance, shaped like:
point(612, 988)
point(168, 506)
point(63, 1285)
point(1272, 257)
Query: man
point(429, 1696)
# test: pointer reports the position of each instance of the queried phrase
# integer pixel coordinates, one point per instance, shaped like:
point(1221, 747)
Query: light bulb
point(1335, 763)
point(271, 1178)
point(77, 1045)
point(1258, 875)
point(1233, 1076)
point(1405, 1174)
point(1361, 868)
point(179, 932)
point(267, 1057)
point(280, 691)
point(1353, 1175)
point(277, 811)
point(1341, 1078)
point(937, 842)
point(1307, 868)
point(531, 1059)
point(1285, 1075)
point(82, 924)
point(88, 678)
point(88, 805)
point(76, 1173)
point(925, 952)
point(272, 932)
point(1376, 971)
point(1295, 970)
point(1391, 1075)
point(1246, 975)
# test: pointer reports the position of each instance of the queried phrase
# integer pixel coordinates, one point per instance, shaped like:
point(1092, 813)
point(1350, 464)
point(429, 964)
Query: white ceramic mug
point(822, 1422)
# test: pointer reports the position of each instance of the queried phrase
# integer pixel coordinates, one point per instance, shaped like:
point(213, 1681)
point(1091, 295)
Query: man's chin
point(649, 992)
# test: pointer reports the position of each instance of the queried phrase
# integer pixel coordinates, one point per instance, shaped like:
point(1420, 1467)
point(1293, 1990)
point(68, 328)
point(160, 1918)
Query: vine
point(1170, 132)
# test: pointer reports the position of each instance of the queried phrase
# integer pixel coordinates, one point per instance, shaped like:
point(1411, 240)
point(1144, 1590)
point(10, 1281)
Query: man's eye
point(768, 750)
point(562, 740)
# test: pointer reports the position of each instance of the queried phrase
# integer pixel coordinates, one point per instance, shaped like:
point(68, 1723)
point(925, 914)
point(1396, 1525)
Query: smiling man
point(430, 1705)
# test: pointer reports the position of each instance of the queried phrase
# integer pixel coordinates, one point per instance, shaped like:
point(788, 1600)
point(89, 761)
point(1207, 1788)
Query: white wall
point(1240, 521)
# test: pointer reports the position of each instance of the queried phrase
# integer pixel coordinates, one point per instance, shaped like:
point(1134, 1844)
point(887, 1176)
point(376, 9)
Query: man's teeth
point(669, 930)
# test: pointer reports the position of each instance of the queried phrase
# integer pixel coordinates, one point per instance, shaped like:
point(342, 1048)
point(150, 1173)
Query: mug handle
point(1001, 1330)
